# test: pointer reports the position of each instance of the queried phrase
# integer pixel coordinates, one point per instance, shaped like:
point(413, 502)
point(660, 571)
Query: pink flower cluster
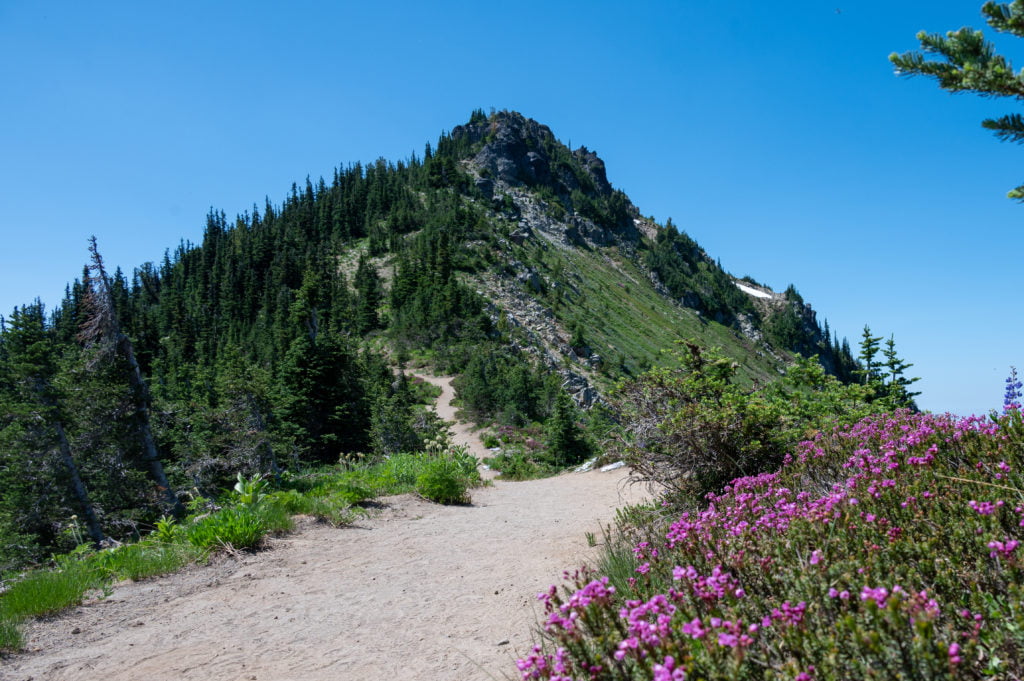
point(876, 495)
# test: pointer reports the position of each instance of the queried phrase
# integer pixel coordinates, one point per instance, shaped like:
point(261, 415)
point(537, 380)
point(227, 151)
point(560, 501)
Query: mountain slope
point(500, 255)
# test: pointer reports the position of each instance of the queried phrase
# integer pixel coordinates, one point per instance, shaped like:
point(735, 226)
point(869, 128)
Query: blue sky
point(775, 134)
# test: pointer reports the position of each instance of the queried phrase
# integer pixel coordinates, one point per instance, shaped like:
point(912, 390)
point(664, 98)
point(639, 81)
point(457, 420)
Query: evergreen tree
point(369, 294)
point(869, 372)
point(897, 393)
point(39, 475)
point(967, 62)
point(391, 420)
point(566, 442)
point(322, 401)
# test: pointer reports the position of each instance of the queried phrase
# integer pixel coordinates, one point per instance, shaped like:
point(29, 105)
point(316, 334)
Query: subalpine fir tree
point(969, 63)
point(40, 478)
point(369, 294)
point(869, 373)
point(566, 443)
point(897, 386)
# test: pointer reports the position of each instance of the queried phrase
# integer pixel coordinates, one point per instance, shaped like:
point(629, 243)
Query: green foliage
point(274, 519)
point(692, 429)
point(886, 382)
point(323, 405)
point(693, 277)
point(167, 530)
point(969, 63)
point(250, 491)
point(397, 424)
point(566, 443)
point(808, 400)
point(519, 465)
point(42, 592)
point(237, 528)
point(446, 480)
point(11, 638)
point(140, 560)
point(502, 384)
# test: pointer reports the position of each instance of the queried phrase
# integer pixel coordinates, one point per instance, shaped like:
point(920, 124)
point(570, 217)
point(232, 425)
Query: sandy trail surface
point(417, 591)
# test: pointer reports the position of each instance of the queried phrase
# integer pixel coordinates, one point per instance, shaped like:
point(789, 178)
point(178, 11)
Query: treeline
point(246, 353)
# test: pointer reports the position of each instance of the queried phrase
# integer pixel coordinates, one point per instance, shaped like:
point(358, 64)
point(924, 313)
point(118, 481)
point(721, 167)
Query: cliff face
point(519, 151)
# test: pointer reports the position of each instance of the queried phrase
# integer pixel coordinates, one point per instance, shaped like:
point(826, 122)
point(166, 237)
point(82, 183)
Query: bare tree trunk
point(91, 521)
point(140, 392)
point(101, 328)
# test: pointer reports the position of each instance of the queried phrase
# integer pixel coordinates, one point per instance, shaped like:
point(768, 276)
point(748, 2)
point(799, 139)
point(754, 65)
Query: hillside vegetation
point(883, 547)
point(499, 254)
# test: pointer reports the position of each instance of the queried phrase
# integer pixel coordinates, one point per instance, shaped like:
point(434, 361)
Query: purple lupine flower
point(1012, 397)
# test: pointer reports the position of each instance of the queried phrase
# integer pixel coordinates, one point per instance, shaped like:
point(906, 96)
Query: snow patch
point(752, 291)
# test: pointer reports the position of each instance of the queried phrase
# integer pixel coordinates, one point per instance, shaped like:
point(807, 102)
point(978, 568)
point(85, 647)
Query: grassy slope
point(621, 313)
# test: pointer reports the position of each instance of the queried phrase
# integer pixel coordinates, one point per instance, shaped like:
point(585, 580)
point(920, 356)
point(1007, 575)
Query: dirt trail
point(420, 591)
point(463, 433)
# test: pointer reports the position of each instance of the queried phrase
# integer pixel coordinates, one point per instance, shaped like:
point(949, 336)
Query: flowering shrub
point(888, 549)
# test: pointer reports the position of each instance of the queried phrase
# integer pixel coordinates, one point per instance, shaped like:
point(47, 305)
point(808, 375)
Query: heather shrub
point(886, 549)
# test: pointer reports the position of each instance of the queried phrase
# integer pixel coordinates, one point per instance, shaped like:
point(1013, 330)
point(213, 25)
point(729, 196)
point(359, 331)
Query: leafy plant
point(167, 530)
point(444, 480)
point(250, 491)
point(238, 528)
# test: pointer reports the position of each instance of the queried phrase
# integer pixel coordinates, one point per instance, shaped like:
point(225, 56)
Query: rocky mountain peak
point(518, 151)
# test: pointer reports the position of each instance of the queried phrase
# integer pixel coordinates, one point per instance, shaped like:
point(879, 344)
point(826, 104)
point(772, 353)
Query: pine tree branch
point(1009, 128)
point(1005, 18)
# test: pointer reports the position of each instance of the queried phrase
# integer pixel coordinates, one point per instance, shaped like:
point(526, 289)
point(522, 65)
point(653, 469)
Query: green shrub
point(444, 480)
point(692, 429)
point(239, 528)
point(332, 510)
point(516, 465)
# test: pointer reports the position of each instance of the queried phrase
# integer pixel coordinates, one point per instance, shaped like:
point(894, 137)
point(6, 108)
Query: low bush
point(691, 429)
point(445, 480)
point(517, 465)
point(888, 549)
